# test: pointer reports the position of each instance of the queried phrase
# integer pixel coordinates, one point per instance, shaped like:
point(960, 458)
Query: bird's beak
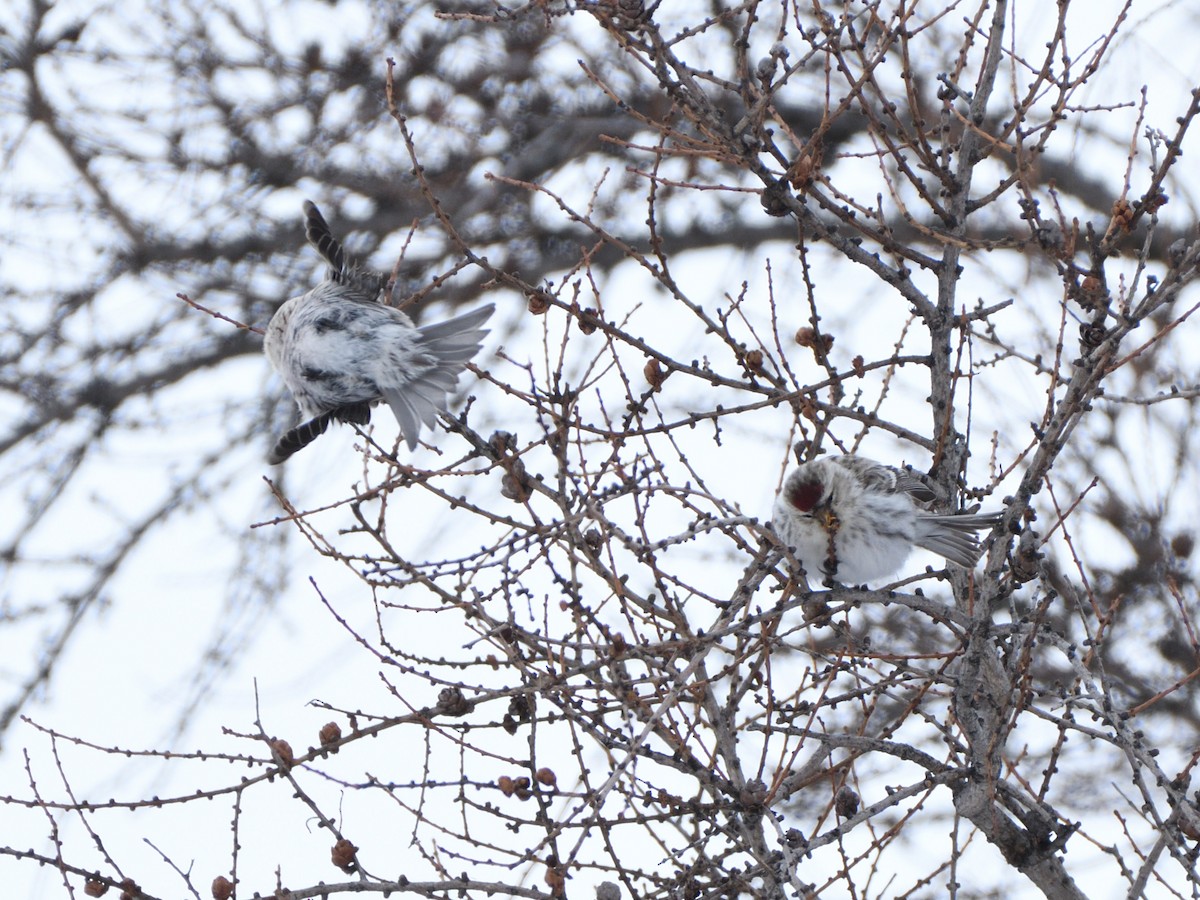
point(825, 517)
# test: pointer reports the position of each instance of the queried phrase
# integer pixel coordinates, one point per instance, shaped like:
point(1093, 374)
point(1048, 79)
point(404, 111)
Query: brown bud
point(330, 733)
point(539, 302)
point(283, 750)
point(754, 361)
point(546, 776)
point(343, 856)
point(655, 373)
point(619, 645)
point(222, 888)
point(95, 888)
point(506, 785)
point(859, 366)
point(808, 337)
point(1182, 545)
point(1122, 214)
point(805, 167)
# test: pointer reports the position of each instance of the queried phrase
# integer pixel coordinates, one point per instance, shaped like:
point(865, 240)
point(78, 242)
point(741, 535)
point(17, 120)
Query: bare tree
point(938, 234)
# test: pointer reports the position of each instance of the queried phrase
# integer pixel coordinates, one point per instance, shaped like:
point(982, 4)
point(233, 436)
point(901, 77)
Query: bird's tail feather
point(299, 438)
point(953, 536)
point(317, 230)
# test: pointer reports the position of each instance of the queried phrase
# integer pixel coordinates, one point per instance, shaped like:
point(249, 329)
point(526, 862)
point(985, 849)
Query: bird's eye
point(804, 495)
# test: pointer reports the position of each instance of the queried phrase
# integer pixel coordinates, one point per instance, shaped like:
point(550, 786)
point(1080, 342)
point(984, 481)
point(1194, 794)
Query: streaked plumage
point(340, 350)
point(855, 520)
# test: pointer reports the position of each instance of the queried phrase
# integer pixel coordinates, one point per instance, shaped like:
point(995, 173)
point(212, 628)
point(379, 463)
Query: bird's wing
point(877, 476)
point(913, 486)
point(441, 352)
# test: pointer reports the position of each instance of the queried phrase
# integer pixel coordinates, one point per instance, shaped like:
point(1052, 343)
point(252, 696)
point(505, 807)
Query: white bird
point(854, 520)
point(340, 350)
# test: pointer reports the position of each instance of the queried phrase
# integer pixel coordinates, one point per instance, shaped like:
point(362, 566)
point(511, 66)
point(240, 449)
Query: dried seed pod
point(507, 786)
point(522, 782)
point(589, 319)
point(222, 888)
point(546, 777)
point(754, 794)
point(130, 890)
point(539, 302)
point(846, 802)
point(627, 15)
point(774, 198)
point(794, 837)
point(754, 361)
point(519, 707)
point(555, 880)
point(1155, 203)
point(808, 337)
point(502, 443)
point(1091, 335)
point(655, 373)
point(1189, 821)
point(283, 751)
point(95, 888)
point(330, 733)
point(1091, 293)
point(804, 167)
point(514, 484)
point(808, 408)
point(452, 702)
point(1182, 545)
point(343, 855)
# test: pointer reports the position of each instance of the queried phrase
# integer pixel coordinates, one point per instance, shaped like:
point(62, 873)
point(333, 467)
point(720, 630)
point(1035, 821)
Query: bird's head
point(806, 494)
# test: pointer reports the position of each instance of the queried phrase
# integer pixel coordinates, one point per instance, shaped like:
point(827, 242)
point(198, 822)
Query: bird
point(341, 350)
point(854, 520)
